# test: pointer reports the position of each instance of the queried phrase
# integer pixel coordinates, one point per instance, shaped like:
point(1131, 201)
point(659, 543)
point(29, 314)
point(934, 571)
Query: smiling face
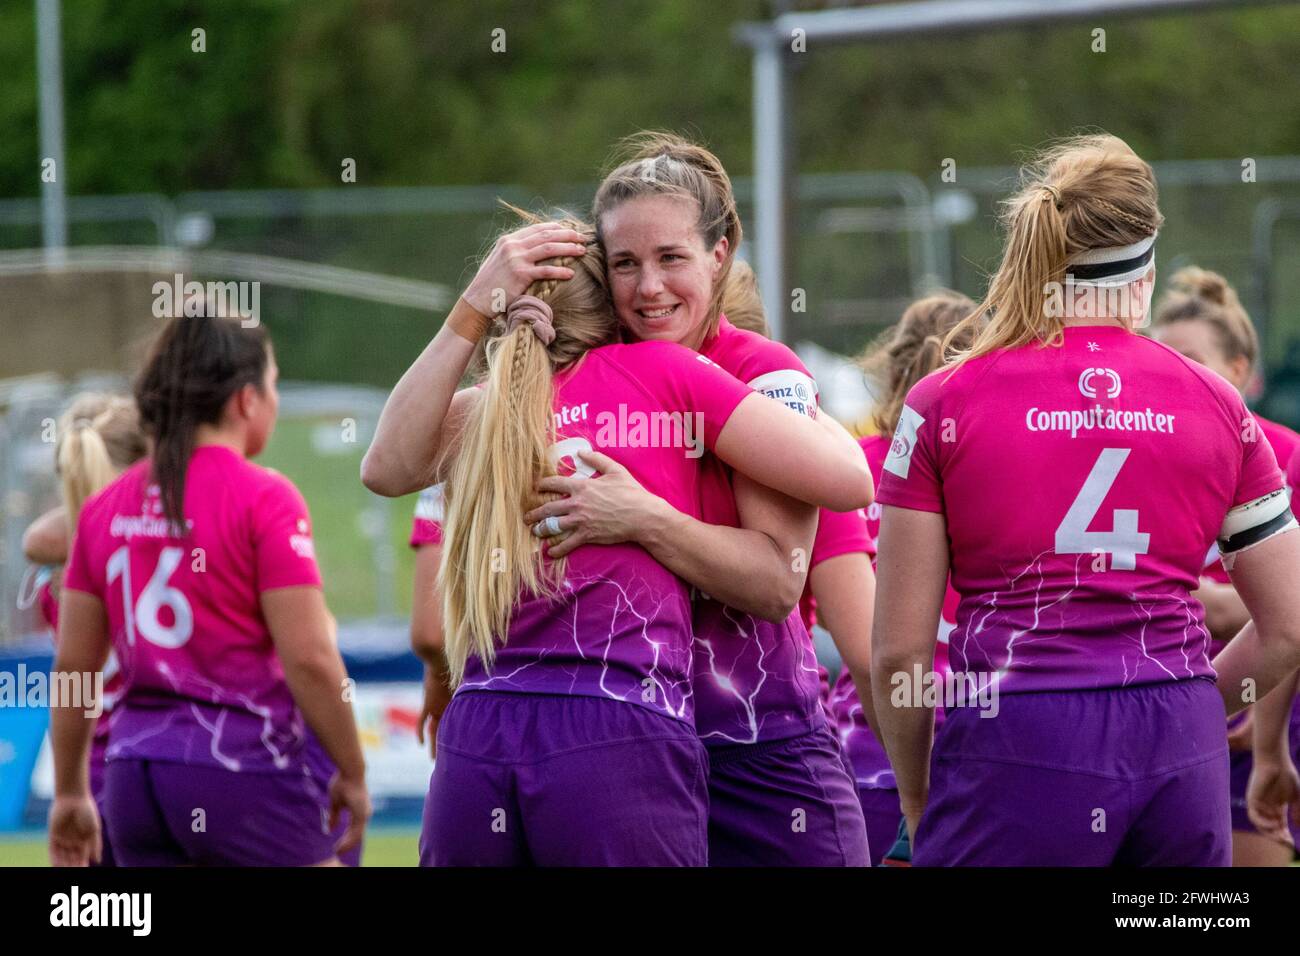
point(661, 274)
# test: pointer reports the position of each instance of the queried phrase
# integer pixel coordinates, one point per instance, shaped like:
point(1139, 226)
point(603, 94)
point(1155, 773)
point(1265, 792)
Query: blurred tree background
point(415, 93)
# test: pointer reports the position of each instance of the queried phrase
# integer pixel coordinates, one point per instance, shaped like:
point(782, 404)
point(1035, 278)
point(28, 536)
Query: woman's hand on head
point(610, 508)
point(514, 264)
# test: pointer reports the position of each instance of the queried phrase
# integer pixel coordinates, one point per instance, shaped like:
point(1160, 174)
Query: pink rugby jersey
point(754, 680)
point(426, 526)
point(203, 684)
point(1082, 487)
point(871, 766)
point(1284, 443)
point(620, 625)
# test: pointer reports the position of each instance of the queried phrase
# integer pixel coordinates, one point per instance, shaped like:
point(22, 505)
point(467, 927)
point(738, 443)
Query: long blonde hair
point(99, 436)
point(1085, 192)
point(656, 163)
point(741, 302)
point(489, 556)
point(910, 350)
point(1204, 296)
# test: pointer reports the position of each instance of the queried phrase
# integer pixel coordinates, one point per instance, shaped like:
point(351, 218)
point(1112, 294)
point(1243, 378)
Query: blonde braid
point(1130, 219)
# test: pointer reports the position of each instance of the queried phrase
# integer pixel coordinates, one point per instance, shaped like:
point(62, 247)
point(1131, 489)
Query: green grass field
point(385, 846)
point(341, 510)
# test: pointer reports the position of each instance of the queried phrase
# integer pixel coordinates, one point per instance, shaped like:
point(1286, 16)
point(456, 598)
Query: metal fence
point(863, 245)
point(319, 440)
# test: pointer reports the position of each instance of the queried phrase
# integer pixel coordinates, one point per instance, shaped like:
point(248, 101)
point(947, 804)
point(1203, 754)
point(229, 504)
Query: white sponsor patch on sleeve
point(430, 504)
point(789, 387)
point(899, 460)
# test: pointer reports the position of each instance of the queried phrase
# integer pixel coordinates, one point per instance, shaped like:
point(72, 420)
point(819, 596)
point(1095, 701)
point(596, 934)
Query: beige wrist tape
point(467, 322)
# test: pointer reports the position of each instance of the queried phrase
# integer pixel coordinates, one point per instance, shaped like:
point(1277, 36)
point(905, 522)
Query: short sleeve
point(840, 533)
point(80, 574)
point(426, 527)
point(699, 385)
point(1293, 475)
point(910, 477)
point(282, 540)
point(1260, 473)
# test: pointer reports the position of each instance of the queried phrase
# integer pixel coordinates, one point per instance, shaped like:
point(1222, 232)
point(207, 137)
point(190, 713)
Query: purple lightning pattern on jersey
point(755, 680)
point(619, 625)
point(1050, 465)
point(202, 682)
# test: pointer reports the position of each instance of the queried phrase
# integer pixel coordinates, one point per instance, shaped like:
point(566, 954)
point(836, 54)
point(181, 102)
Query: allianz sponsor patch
point(431, 505)
point(790, 387)
point(899, 460)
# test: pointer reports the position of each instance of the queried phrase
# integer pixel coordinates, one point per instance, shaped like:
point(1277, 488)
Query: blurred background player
point(904, 355)
point(779, 793)
point(1073, 474)
point(597, 687)
point(99, 437)
point(1201, 317)
point(233, 742)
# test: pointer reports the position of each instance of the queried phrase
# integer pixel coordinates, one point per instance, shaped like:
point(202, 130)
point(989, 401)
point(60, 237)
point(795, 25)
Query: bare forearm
point(1271, 718)
point(1252, 663)
point(1225, 612)
point(72, 722)
point(46, 539)
point(906, 731)
point(845, 590)
point(402, 455)
point(317, 686)
point(741, 568)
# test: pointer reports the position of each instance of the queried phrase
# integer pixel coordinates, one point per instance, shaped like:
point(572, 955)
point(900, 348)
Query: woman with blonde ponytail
point(667, 221)
point(97, 438)
point(570, 737)
point(1201, 317)
point(1071, 476)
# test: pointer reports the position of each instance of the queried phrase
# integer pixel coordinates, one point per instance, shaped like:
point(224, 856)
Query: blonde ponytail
point(99, 437)
point(1084, 193)
point(490, 558)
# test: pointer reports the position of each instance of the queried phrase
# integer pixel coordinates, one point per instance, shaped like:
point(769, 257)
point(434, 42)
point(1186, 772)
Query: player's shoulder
point(261, 484)
point(748, 355)
point(1154, 353)
point(643, 362)
point(113, 497)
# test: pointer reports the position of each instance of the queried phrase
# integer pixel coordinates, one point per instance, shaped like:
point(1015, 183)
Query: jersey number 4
point(1123, 542)
point(142, 616)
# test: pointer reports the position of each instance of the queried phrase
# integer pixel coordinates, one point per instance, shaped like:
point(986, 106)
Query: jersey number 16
point(142, 615)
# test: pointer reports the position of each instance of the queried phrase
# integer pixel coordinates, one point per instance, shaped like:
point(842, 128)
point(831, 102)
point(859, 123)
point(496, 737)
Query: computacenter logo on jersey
point(1089, 388)
point(899, 461)
point(1098, 419)
point(789, 387)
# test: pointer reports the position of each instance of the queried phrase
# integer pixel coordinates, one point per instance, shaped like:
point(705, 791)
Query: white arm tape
point(1254, 522)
